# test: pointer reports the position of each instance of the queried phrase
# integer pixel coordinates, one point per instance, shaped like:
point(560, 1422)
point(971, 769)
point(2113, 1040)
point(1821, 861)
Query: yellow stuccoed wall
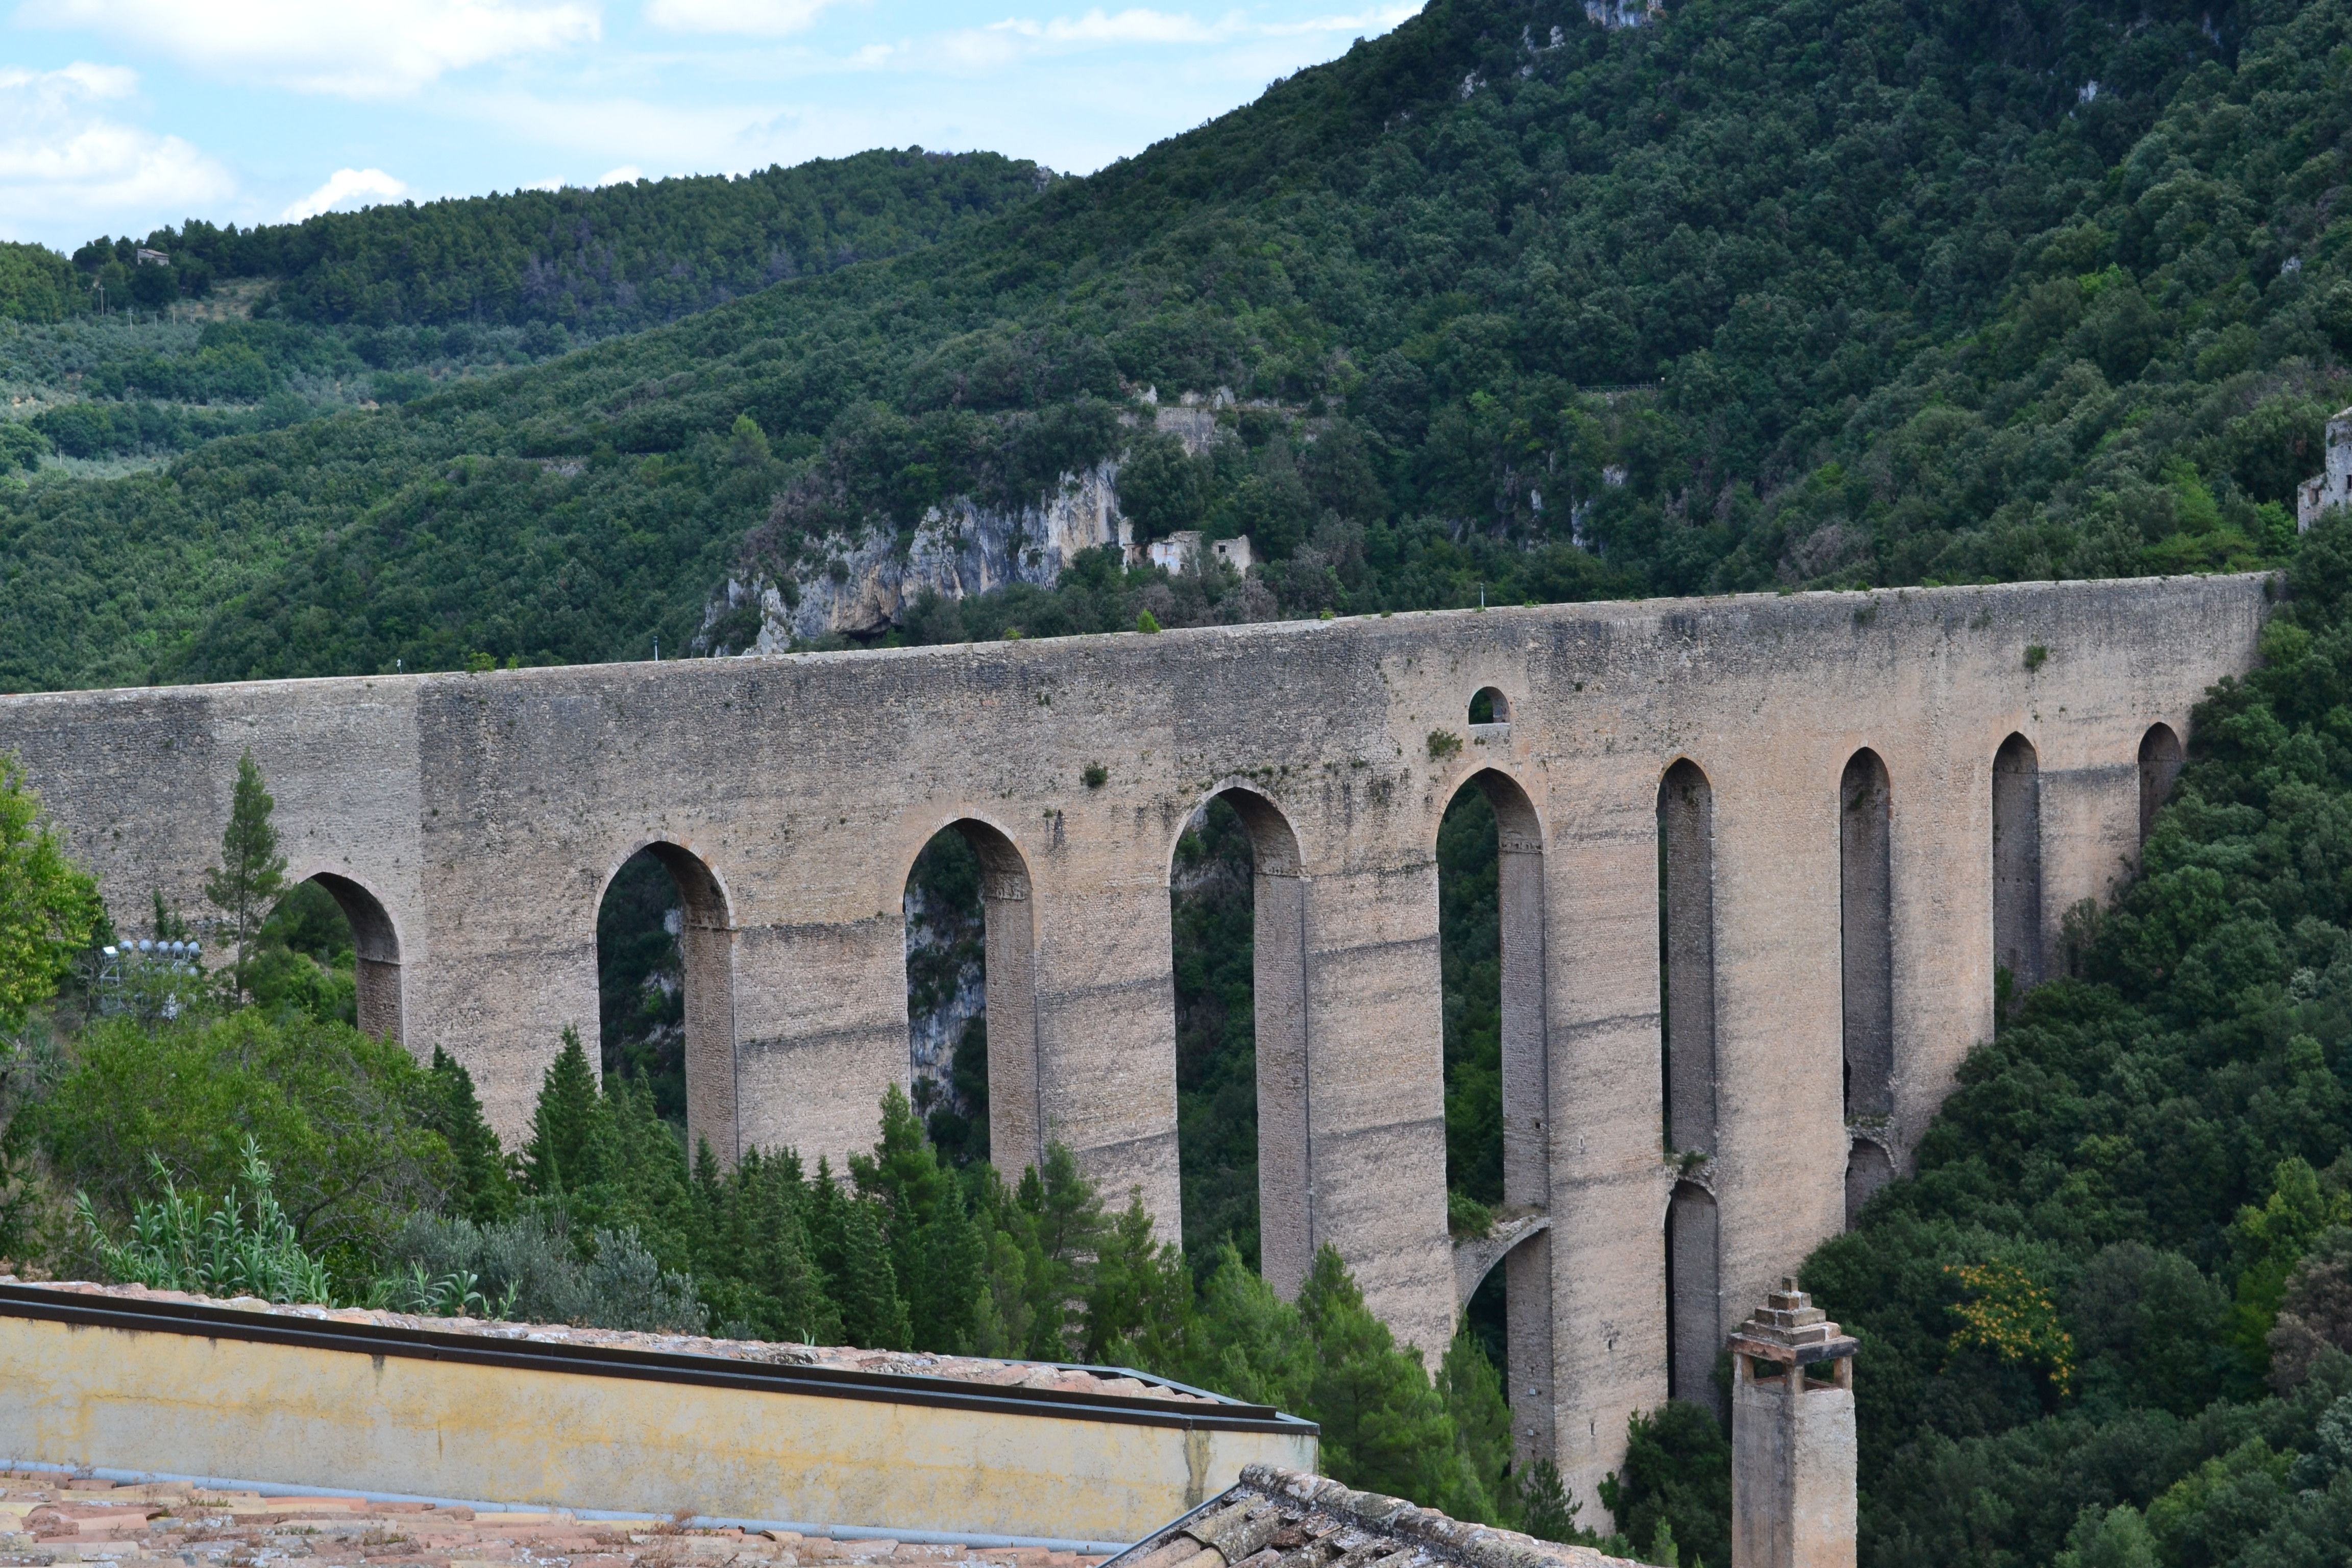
point(189, 1405)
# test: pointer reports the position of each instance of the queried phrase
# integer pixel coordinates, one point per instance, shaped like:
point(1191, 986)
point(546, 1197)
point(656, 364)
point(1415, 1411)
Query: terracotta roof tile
point(1286, 1519)
point(47, 1519)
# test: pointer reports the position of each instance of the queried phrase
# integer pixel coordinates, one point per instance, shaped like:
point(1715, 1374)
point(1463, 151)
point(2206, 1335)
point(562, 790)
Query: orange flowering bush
point(2008, 1315)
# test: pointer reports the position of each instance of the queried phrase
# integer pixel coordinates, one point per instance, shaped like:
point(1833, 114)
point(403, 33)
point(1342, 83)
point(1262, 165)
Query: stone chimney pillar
point(1792, 1442)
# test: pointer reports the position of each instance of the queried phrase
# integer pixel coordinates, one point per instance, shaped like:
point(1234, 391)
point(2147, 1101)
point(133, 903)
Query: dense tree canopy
point(1758, 294)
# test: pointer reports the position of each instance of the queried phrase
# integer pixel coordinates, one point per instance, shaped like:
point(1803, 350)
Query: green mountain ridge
point(603, 261)
point(1902, 297)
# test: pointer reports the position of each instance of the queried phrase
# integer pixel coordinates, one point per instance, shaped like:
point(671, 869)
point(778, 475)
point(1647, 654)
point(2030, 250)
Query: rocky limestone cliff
point(865, 583)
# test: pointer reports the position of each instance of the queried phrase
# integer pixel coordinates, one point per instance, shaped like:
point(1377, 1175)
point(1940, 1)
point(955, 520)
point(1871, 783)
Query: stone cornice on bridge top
point(1811, 609)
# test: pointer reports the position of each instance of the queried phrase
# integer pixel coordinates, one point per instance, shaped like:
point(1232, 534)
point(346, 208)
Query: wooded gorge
point(1760, 295)
point(1505, 305)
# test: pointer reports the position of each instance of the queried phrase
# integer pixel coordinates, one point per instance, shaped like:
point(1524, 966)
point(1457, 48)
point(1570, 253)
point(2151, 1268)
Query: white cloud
point(1000, 45)
point(62, 163)
point(766, 18)
point(1369, 23)
point(347, 190)
point(1130, 27)
point(626, 174)
point(353, 48)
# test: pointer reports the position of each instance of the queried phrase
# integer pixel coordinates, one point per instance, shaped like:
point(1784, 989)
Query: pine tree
point(1069, 1209)
point(716, 1236)
point(777, 1251)
point(252, 873)
point(873, 1314)
point(828, 1226)
point(642, 1178)
point(1000, 1314)
point(1473, 1390)
point(485, 1190)
point(1056, 1218)
point(1385, 1428)
point(1547, 1511)
point(568, 1135)
point(1139, 1311)
point(1251, 1343)
point(953, 1274)
point(904, 1176)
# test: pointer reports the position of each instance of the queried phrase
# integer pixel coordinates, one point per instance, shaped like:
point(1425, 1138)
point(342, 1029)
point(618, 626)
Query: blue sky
point(117, 116)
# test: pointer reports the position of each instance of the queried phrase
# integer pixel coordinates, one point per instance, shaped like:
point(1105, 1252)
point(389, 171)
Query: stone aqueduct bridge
point(1865, 801)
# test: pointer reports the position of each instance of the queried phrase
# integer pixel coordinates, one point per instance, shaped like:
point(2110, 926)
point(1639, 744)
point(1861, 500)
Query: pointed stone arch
point(1868, 1167)
point(1017, 1133)
point(1285, 1178)
point(1526, 1111)
point(2159, 765)
point(2017, 935)
point(1694, 1294)
point(705, 939)
point(1686, 948)
point(1866, 934)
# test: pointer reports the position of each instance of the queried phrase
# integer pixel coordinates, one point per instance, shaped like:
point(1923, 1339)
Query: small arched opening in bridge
point(1686, 955)
point(1489, 706)
point(666, 990)
point(1866, 945)
point(1490, 907)
point(2160, 764)
point(1868, 1168)
point(2017, 936)
point(1237, 913)
point(972, 1012)
point(329, 949)
point(1693, 1309)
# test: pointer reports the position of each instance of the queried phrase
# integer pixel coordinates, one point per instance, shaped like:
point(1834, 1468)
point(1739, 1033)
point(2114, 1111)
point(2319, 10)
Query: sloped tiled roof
point(1286, 1519)
point(49, 1518)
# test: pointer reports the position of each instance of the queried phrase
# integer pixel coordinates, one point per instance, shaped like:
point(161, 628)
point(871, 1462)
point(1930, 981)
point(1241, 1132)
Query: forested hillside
point(597, 262)
point(1758, 294)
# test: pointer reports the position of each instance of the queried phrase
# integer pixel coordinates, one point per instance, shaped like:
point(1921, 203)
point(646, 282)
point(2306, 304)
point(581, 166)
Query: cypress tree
point(567, 1143)
point(251, 874)
point(873, 1314)
point(484, 1191)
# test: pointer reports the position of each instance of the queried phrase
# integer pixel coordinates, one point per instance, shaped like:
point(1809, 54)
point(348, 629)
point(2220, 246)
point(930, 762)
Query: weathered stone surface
point(172, 1521)
point(1793, 1450)
point(484, 814)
